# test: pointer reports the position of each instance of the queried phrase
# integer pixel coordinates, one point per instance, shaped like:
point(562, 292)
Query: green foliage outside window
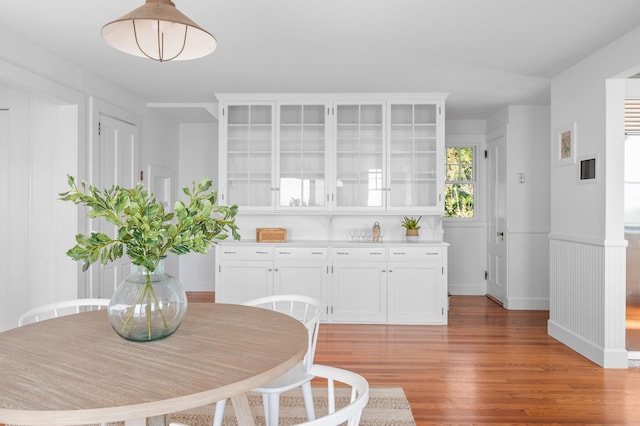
point(459, 198)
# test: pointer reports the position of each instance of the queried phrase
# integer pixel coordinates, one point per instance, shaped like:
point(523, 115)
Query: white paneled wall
point(39, 149)
point(528, 269)
point(584, 313)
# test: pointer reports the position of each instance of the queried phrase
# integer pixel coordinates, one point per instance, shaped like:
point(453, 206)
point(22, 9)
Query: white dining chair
point(307, 310)
point(58, 309)
point(350, 413)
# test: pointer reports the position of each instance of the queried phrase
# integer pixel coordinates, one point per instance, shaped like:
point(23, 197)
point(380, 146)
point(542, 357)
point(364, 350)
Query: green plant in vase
point(146, 233)
point(411, 224)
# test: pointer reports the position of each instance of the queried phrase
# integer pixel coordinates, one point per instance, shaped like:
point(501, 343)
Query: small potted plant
point(411, 224)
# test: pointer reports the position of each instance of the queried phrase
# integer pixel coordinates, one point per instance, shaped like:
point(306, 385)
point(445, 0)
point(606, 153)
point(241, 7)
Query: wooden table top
point(76, 369)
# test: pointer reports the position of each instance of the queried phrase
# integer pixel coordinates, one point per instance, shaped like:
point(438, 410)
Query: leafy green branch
point(144, 229)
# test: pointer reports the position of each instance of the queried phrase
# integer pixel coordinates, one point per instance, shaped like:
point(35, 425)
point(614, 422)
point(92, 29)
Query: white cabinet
point(245, 272)
point(302, 156)
point(247, 161)
point(302, 270)
point(273, 155)
point(339, 152)
point(358, 287)
point(381, 283)
point(417, 285)
point(390, 156)
point(359, 155)
point(415, 168)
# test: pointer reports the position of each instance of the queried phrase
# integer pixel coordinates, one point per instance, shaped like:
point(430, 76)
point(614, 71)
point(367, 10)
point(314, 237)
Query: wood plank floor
point(633, 323)
point(489, 366)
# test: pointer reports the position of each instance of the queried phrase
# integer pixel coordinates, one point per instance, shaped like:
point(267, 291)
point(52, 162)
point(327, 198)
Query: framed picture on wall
point(566, 144)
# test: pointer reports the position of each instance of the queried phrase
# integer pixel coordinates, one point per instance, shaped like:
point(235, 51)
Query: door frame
point(89, 284)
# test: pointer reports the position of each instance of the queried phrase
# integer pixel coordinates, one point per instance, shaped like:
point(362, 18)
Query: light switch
point(521, 177)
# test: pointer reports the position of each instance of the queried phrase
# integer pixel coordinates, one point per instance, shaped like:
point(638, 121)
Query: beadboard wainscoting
point(528, 270)
point(583, 274)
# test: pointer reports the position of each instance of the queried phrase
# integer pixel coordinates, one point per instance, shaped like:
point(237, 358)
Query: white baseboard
point(526, 304)
point(607, 358)
point(467, 289)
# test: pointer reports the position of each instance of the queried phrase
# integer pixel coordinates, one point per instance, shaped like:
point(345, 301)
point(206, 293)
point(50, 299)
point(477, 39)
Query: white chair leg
point(219, 413)
point(308, 401)
point(265, 404)
point(332, 396)
point(271, 403)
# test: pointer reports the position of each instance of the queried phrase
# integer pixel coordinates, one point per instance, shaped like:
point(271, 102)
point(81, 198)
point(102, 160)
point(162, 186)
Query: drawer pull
point(432, 253)
point(284, 252)
point(342, 252)
point(373, 252)
point(317, 252)
point(229, 252)
point(262, 252)
point(399, 253)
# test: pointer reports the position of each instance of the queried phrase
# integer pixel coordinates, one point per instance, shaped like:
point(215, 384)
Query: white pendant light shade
point(160, 32)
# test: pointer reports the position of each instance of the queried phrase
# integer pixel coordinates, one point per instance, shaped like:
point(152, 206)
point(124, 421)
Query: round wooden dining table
point(77, 370)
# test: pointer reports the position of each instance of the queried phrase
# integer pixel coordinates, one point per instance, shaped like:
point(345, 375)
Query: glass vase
point(147, 305)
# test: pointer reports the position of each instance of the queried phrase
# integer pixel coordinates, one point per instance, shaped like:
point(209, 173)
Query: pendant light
point(160, 32)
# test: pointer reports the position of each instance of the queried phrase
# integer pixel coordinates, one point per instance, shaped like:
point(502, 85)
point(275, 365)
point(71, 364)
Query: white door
point(497, 219)
point(113, 162)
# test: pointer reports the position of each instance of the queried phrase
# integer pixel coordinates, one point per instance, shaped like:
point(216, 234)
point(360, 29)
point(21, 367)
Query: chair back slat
point(305, 309)
point(352, 412)
point(58, 309)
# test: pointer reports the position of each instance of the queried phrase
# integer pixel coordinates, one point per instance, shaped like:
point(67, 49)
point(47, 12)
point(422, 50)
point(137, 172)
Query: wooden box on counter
point(271, 235)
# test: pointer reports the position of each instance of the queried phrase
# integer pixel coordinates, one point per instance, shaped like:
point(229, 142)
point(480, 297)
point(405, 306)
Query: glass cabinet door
point(302, 156)
point(359, 151)
point(413, 156)
point(249, 155)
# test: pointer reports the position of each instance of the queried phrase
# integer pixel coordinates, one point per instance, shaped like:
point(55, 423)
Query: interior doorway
point(632, 234)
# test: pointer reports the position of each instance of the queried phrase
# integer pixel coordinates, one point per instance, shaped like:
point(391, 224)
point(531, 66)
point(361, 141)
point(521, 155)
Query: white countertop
point(333, 243)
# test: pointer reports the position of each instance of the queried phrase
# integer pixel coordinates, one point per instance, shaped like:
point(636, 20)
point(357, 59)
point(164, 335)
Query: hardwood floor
point(489, 366)
point(633, 323)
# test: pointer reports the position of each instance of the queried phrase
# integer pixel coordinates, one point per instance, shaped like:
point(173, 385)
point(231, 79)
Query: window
point(460, 183)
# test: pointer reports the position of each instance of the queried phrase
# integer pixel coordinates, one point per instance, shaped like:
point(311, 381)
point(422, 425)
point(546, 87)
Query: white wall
point(587, 312)
point(468, 238)
point(37, 152)
point(198, 159)
point(160, 142)
point(53, 118)
point(528, 207)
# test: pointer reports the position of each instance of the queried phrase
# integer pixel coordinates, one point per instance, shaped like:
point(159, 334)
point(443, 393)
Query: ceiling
point(485, 53)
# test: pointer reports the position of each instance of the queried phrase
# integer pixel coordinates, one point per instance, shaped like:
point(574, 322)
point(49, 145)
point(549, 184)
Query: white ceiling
point(485, 53)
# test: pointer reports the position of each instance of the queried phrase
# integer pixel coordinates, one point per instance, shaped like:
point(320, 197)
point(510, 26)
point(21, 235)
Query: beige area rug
point(387, 406)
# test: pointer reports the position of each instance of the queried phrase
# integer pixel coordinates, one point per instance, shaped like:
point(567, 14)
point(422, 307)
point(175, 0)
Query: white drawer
point(305, 253)
point(237, 252)
point(359, 253)
point(416, 253)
